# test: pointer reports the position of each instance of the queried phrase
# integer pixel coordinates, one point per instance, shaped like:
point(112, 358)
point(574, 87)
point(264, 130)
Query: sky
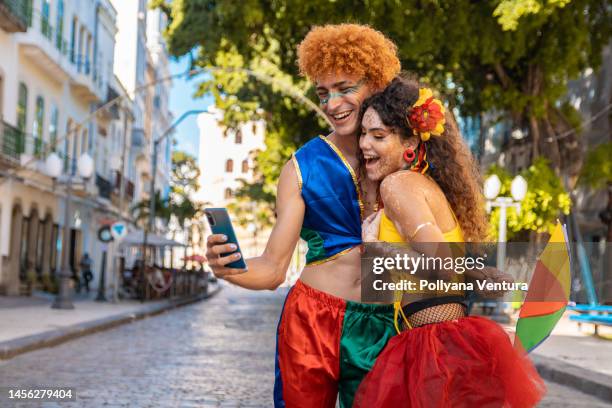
point(181, 100)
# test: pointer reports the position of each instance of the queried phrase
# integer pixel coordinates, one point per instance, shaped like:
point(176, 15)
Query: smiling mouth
point(342, 115)
point(371, 161)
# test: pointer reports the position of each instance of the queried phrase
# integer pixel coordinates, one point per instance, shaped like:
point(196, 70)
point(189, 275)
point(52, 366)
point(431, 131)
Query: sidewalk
point(29, 323)
point(577, 359)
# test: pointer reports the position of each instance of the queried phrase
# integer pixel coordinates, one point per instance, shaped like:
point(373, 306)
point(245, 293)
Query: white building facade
point(60, 61)
point(141, 62)
point(56, 62)
point(160, 116)
point(226, 157)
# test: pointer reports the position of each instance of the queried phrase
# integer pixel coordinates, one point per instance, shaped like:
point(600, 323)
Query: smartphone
point(220, 223)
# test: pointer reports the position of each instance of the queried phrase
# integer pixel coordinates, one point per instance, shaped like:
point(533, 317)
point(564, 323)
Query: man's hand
point(370, 227)
point(493, 275)
point(214, 248)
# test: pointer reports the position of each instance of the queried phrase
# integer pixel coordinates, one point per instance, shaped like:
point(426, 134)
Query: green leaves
point(185, 173)
point(546, 200)
point(253, 204)
point(183, 185)
point(597, 170)
point(509, 12)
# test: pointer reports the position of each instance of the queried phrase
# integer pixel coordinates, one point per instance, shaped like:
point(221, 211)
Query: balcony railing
point(35, 146)
point(69, 57)
point(13, 142)
point(105, 187)
point(15, 15)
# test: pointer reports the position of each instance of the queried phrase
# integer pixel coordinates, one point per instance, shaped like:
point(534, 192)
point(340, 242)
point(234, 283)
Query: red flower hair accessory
point(426, 117)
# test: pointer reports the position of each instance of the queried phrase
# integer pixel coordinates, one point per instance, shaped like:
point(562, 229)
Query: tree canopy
point(183, 184)
point(508, 56)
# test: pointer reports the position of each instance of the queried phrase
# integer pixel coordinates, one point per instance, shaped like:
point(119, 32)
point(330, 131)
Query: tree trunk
point(532, 88)
point(535, 136)
point(609, 214)
point(482, 135)
point(569, 146)
point(551, 146)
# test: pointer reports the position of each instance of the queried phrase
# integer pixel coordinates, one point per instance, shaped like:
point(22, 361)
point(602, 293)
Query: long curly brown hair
point(452, 165)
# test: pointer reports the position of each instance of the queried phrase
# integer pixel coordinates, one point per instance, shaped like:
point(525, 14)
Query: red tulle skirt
point(468, 362)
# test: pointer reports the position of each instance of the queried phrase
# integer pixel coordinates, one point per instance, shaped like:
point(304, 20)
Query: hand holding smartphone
point(220, 223)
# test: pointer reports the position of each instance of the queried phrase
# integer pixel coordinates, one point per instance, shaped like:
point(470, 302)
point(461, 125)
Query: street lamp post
point(518, 190)
point(252, 228)
point(117, 164)
point(151, 222)
point(53, 165)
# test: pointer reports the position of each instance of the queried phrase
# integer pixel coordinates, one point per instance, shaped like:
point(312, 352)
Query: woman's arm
point(406, 204)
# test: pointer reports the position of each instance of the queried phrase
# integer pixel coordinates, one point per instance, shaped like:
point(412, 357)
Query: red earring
point(409, 155)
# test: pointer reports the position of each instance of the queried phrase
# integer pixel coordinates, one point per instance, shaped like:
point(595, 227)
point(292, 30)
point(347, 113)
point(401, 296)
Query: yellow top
point(388, 233)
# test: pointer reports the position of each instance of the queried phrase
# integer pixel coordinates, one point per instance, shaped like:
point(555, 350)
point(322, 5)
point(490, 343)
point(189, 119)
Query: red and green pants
point(325, 346)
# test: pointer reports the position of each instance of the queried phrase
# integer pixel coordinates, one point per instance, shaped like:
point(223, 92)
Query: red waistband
point(339, 303)
point(325, 298)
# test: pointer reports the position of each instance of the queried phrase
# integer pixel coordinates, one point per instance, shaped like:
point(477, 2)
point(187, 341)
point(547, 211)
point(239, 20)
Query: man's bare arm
point(267, 271)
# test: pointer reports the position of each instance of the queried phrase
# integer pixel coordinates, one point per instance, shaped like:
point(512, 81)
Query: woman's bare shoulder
point(405, 181)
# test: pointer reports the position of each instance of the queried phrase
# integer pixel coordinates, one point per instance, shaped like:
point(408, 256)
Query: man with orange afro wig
point(327, 340)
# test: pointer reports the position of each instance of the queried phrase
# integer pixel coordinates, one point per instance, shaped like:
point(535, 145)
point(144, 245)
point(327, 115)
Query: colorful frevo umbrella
point(548, 293)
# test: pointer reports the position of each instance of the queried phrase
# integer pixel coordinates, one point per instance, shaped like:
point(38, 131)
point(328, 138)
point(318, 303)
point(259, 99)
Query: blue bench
point(589, 308)
point(594, 319)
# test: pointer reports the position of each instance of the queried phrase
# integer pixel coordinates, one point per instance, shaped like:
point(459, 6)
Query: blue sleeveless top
point(329, 187)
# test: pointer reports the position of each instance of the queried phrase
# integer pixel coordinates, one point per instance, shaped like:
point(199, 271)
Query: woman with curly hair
point(327, 339)
point(431, 197)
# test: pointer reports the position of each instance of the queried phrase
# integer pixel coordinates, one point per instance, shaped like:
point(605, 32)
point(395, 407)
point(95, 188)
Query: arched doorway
point(29, 275)
point(12, 264)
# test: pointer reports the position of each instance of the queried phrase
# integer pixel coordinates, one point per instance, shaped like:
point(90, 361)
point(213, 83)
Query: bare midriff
point(340, 277)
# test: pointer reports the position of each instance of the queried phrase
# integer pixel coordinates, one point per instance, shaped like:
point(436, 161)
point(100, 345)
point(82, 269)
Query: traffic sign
point(118, 230)
point(104, 234)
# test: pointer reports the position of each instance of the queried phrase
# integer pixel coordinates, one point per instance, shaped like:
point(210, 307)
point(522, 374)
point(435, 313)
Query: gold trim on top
point(297, 170)
point(351, 171)
point(331, 258)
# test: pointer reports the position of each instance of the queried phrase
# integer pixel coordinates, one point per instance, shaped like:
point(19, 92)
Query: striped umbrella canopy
point(548, 293)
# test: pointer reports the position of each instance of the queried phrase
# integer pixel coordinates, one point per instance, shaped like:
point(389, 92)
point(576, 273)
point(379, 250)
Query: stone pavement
point(217, 353)
point(574, 357)
point(28, 323)
point(579, 347)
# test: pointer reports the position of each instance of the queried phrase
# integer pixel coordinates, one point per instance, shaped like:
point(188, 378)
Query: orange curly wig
point(350, 49)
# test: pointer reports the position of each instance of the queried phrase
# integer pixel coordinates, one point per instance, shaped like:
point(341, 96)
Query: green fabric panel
point(315, 245)
point(366, 329)
point(531, 331)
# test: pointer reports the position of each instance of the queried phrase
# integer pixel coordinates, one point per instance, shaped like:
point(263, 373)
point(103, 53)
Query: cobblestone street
point(218, 352)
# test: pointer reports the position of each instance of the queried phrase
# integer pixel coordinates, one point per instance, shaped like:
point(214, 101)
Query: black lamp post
point(85, 167)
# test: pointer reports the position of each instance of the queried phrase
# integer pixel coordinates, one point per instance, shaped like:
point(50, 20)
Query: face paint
point(325, 98)
point(341, 97)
